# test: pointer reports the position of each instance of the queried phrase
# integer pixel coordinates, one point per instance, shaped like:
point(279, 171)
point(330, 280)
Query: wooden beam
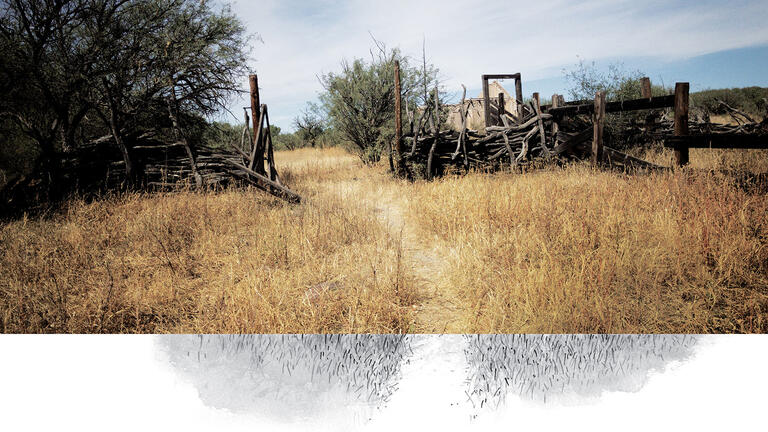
point(398, 144)
point(486, 101)
point(718, 141)
point(519, 99)
point(257, 138)
point(501, 76)
point(681, 122)
point(264, 182)
point(501, 109)
point(257, 161)
point(555, 126)
point(542, 134)
point(645, 87)
point(437, 136)
point(598, 118)
point(628, 105)
point(615, 155)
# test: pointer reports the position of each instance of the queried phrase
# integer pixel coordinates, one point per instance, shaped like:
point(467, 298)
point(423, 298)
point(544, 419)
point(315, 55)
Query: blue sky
point(711, 44)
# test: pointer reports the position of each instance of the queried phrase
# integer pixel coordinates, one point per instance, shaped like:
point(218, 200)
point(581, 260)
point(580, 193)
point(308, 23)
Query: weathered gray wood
point(645, 87)
point(681, 122)
point(257, 137)
point(542, 134)
point(598, 119)
point(555, 104)
point(619, 106)
point(264, 182)
point(486, 102)
point(612, 155)
point(718, 141)
point(501, 109)
point(437, 136)
point(519, 99)
point(257, 161)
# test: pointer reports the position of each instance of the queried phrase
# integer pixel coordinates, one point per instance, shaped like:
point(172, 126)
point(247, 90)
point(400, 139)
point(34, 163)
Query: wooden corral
point(560, 131)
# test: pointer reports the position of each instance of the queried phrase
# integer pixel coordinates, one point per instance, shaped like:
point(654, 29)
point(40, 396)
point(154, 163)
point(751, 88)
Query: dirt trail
point(439, 311)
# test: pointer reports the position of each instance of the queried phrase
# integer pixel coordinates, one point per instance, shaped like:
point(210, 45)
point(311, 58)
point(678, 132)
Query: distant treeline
point(749, 99)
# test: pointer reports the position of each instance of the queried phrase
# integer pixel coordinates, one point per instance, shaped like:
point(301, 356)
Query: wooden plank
point(257, 158)
point(264, 182)
point(681, 121)
point(519, 99)
point(718, 141)
point(437, 135)
point(398, 144)
point(501, 76)
point(501, 110)
point(486, 101)
point(645, 87)
point(598, 119)
point(269, 148)
point(628, 105)
point(542, 135)
point(615, 155)
point(258, 132)
point(555, 104)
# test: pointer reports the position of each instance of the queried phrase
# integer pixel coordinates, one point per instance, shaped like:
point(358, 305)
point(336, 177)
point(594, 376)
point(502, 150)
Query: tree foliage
point(618, 83)
point(310, 124)
point(359, 100)
point(75, 71)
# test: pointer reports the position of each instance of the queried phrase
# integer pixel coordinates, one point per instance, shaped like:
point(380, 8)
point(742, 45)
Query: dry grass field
point(558, 250)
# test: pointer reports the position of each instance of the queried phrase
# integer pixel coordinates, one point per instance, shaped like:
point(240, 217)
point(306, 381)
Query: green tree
point(359, 100)
point(618, 83)
point(77, 70)
point(309, 124)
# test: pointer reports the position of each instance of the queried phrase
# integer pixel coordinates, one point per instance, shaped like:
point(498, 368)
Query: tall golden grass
point(232, 261)
point(558, 250)
point(578, 250)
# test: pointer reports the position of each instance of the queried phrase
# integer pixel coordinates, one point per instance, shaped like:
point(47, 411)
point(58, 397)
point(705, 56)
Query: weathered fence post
point(542, 137)
point(258, 149)
point(486, 102)
point(555, 126)
point(399, 163)
point(599, 122)
point(519, 98)
point(501, 109)
point(681, 122)
point(645, 87)
point(437, 136)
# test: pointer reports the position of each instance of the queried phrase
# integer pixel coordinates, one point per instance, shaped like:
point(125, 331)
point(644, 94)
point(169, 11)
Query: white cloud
point(304, 39)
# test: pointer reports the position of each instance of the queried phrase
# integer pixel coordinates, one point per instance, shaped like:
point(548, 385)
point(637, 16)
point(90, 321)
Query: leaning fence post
point(645, 87)
point(599, 122)
point(501, 109)
point(555, 126)
point(519, 98)
point(258, 160)
point(681, 122)
point(398, 123)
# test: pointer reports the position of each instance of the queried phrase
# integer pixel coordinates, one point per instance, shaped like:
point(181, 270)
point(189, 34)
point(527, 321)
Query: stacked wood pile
point(564, 131)
point(159, 164)
point(519, 142)
point(244, 162)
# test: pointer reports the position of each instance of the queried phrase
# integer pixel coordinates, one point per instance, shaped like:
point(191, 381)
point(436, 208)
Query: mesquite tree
point(359, 100)
point(78, 71)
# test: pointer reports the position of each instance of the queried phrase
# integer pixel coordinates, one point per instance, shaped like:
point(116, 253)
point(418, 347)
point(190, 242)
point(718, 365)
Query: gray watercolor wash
point(547, 367)
point(293, 377)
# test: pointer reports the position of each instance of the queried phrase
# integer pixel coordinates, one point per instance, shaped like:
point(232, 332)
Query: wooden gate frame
point(487, 97)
